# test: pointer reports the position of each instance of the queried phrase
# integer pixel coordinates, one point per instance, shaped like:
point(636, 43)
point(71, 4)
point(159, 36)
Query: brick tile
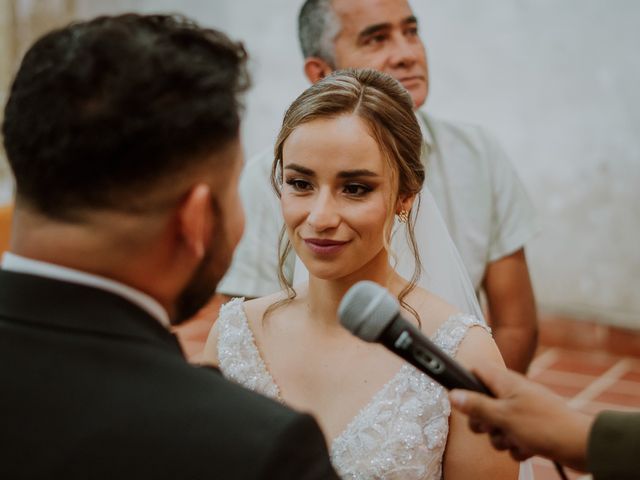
point(631, 376)
point(625, 387)
point(618, 398)
point(543, 358)
point(583, 362)
point(565, 391)
point(624, 341)
point(588, 335)
point(593, 408)
point(568, 379)
point(567, 332)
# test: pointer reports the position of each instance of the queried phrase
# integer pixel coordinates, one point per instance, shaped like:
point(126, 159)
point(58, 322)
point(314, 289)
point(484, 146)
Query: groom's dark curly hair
point(102, 110)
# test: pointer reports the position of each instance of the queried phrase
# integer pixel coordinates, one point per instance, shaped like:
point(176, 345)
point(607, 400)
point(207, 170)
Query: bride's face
point(335, 196)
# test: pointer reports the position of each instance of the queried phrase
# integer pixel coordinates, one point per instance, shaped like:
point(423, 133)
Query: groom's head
point(122, 133)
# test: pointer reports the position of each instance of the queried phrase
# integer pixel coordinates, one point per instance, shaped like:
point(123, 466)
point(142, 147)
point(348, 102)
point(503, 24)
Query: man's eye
point(374, 39)
point(411, 32)
point(298, 184)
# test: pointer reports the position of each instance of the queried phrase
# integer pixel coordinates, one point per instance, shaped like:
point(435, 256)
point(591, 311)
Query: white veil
point(443, 272)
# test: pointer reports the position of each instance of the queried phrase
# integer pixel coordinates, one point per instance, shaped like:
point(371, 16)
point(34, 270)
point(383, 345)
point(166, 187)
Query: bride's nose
point(323, 213)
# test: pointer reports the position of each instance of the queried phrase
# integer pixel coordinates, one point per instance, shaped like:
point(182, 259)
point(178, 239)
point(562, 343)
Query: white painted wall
point(557, 82)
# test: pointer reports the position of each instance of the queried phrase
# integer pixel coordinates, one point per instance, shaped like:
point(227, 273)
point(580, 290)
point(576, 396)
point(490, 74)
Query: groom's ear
point(196, 220)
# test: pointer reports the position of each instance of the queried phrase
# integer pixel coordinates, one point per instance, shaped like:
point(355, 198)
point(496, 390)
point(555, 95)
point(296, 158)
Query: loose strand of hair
point(283, 253)
point(417, 270)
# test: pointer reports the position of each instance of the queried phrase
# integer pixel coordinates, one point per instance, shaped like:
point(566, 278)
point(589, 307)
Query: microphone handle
point(405, 340)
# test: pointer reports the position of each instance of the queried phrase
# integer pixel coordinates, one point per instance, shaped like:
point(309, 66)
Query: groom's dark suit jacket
point(92, 387)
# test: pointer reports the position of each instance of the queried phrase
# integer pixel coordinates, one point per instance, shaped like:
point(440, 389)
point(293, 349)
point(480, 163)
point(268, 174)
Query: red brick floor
point(591, 381)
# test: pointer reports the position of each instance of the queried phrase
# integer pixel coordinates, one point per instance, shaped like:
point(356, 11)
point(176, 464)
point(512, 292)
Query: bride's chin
point(325, 272)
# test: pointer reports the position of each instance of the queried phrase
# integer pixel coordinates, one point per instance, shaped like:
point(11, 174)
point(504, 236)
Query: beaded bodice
point(400, 434)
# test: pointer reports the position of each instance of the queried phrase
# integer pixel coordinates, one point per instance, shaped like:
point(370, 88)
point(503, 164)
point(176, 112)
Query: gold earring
point(403, 216)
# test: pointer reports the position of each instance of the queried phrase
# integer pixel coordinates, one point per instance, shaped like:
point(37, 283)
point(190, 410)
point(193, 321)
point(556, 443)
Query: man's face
point(383, 34)
point(229, 225)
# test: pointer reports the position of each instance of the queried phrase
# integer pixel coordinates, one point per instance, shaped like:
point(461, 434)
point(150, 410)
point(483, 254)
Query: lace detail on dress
point(400, 434)
point(450, 334)
point(238, 356)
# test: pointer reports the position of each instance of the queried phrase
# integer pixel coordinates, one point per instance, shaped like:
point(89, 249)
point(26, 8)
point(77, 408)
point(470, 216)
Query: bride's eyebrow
point(363, 172)
point(356, 173)
point(300, 169)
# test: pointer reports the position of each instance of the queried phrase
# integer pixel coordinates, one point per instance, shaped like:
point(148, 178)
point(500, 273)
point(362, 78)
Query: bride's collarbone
point(315, 366)
point(335, 386)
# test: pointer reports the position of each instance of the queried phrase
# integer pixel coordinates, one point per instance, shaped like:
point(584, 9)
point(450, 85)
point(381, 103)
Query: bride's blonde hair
point(387, 108)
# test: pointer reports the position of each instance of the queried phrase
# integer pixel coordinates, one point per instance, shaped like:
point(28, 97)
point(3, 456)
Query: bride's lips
point(324, 246)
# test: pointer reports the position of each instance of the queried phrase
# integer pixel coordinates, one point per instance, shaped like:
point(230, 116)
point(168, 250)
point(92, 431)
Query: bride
point(347, 163)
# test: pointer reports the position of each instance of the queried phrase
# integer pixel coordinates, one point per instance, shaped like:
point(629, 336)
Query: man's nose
point(404, 53)
point(324, 213)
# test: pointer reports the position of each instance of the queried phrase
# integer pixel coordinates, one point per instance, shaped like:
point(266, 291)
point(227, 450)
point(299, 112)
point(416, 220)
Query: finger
point(478, 426)
point(520, 455)
point(478, 406)
point(499, 440)
point(495, 377)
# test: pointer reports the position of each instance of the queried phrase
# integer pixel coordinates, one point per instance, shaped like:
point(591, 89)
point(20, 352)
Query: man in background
point(122, 134)
point(485, 207)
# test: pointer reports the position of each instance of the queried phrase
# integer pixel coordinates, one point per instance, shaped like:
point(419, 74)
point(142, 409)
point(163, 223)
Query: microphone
point(372, 314)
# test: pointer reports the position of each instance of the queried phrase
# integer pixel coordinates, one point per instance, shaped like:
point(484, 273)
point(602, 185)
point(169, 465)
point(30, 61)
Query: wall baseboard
point(582, 334)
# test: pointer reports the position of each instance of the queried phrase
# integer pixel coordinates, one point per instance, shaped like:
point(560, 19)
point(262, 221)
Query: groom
point(122, 133)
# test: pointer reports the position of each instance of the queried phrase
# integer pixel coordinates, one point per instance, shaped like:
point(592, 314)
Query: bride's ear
point(405, 203)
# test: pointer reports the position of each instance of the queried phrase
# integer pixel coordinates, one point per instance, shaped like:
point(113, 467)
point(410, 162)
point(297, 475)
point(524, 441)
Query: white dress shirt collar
point(19, 264)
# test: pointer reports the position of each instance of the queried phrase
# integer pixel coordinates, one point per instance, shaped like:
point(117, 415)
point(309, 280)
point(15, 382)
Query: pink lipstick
point(323, 246)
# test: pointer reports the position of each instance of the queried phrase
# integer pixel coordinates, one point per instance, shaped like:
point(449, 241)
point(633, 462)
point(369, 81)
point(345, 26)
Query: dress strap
point(450, 334)
point(238, 355)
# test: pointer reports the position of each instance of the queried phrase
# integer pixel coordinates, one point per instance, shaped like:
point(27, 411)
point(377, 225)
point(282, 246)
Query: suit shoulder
point(209, 393)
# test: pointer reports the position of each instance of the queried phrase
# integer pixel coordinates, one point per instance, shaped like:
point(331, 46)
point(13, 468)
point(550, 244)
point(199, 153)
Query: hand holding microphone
point(372, 314)
point(525, 418)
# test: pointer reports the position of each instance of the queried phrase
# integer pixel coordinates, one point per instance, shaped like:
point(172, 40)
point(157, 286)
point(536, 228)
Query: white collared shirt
point(19, 264)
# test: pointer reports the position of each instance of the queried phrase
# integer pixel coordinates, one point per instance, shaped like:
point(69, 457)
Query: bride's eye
point(298, 184)
point(357, 189)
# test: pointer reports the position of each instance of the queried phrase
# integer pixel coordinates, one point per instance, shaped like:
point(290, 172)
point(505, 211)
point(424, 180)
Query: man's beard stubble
point(204, 281)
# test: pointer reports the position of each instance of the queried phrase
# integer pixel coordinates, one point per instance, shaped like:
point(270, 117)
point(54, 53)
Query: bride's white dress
point(400, 434)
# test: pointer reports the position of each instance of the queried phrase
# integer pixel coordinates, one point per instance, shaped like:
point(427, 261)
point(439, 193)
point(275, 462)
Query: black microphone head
point(367, 309)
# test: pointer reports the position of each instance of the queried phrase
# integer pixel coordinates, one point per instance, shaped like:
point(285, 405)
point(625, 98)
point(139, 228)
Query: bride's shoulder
point(236, 316)
point(468, 337)
point(257, 307)
point(432, 310)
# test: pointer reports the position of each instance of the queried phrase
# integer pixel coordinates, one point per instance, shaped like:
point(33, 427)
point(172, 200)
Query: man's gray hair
point(318, 26)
